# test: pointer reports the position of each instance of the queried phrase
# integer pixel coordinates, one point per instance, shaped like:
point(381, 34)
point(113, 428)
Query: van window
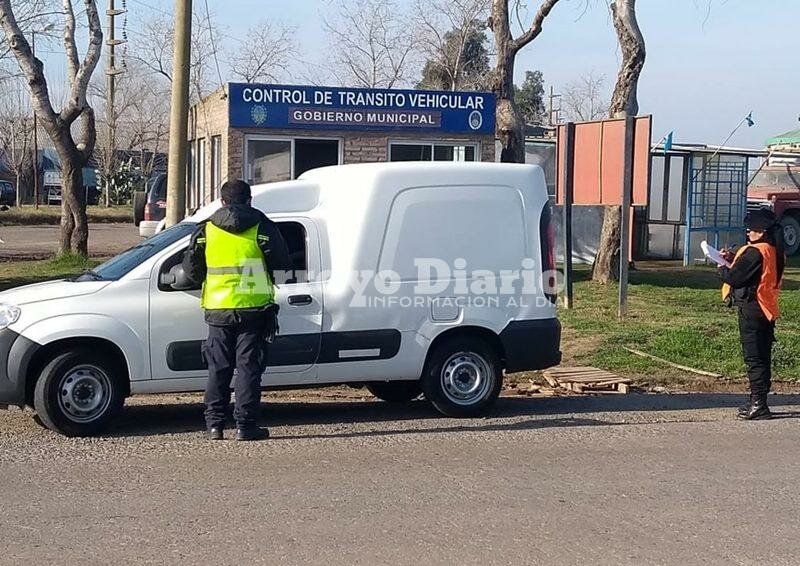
point(483, 225)
point(121, 264)
point(295, 236)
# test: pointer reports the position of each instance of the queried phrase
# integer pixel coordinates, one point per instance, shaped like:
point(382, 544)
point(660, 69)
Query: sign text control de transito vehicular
point(408, 278)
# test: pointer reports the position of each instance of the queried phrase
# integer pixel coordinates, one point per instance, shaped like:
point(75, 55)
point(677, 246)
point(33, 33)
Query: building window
point(200, 187)
point(216, 163)
point(432, 151)
point(268, 160)
point(190, 174)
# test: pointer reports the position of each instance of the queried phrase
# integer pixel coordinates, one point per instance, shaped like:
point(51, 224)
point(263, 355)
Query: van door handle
point(299, 300)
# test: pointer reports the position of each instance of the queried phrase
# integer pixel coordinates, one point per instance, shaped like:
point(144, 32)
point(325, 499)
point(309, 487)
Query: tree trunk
point(623, 104)
point(631, 44)
point(74, 226)
point(606, 262)
point(508, 128)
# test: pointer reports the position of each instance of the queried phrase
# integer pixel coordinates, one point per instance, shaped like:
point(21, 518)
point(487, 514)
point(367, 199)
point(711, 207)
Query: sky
point(709, 62)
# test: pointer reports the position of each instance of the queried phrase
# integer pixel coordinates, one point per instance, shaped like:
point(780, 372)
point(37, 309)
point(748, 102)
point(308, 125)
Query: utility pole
point(179, 115)
point(111, 74)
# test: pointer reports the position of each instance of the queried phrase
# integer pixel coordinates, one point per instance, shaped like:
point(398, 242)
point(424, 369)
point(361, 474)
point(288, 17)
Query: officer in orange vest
point(752, 284)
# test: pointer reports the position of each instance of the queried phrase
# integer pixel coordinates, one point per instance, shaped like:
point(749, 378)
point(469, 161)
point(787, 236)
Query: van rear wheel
point(395, 391)
point(78, 393)
point(463, 376)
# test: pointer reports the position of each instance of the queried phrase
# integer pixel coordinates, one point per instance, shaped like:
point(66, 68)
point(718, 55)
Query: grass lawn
point(46, 214)
point(16, 273)
point(677, 315)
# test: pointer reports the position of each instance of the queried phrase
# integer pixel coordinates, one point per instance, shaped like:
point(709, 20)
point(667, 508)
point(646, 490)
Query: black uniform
point(237, 338)
point(756, 331)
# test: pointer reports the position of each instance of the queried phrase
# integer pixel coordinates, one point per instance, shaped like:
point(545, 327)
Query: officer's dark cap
point(760, 220)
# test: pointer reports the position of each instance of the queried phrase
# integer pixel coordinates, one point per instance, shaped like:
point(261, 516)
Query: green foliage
point(530, 98)
point(457, 66)
point(121, 183)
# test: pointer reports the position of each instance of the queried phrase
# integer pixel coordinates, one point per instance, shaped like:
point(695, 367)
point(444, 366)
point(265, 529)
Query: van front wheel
point(463, 376)
point(78, 393)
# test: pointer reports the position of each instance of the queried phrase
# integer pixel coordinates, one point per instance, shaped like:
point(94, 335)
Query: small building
point(264, 133)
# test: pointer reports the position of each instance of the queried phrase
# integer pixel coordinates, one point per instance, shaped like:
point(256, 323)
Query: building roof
point(786, 138)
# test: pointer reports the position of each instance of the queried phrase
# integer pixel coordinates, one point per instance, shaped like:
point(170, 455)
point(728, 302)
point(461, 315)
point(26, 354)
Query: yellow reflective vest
point(236, 274)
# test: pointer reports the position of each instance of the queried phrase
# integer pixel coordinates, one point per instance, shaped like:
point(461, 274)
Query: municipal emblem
point(475, 120)
point(259, 114)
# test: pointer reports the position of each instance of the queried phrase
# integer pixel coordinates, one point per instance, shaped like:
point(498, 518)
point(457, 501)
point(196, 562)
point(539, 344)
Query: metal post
point(35, 140)
point(568, 184)
point(625, 221)
point(179, 117)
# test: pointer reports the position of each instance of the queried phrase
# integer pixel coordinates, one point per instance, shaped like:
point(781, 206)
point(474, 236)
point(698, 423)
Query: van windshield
point(121, 264)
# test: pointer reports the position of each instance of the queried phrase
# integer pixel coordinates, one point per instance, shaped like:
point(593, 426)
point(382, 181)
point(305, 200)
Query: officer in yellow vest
point(236, 254)
point(752, 284)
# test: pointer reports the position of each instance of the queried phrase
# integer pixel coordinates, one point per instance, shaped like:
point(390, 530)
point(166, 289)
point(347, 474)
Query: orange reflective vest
point(769, 286)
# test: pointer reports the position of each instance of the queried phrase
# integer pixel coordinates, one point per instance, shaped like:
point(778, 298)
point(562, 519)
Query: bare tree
point(447, 28)
point(371, 43)
point(153, 49)
point(583, 99)
point(623, 103)
point(16, 135)
point(509, 122)
point(267, 48)
point(141, 113)
point(73, 148)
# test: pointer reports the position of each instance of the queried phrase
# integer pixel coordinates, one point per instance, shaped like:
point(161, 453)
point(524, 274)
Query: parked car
point(76, 349)
point(8, 195)
point(150, 206)
point(52, 195)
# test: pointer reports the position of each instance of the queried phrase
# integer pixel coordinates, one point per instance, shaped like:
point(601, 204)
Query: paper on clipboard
point(713, 254)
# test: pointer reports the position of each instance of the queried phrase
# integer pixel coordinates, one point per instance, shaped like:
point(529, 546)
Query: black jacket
point(236, 219)
point(744, 277)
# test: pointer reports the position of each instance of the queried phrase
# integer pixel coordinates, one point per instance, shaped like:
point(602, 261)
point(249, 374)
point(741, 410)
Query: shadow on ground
point(146, 420)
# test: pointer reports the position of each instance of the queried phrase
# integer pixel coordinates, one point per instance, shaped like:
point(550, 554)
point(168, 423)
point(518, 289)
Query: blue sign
point(311, 107)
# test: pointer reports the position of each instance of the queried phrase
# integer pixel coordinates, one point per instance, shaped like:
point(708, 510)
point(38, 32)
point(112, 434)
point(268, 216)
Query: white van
point(408, 278)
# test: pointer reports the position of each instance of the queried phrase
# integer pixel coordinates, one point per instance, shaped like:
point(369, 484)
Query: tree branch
point(536, 27)
point(30, 66)
point(70, 48)
point(77, 102)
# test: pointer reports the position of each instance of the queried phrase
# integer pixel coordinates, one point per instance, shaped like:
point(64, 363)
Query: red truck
point(777, 187)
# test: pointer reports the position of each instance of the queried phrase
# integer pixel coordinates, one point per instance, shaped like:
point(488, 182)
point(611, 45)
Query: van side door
point(177, 327)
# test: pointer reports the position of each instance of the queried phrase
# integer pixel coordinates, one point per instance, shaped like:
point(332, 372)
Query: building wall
point(210, 117)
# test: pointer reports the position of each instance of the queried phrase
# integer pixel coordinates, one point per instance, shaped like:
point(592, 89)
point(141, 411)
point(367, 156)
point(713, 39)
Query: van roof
point(363, 180)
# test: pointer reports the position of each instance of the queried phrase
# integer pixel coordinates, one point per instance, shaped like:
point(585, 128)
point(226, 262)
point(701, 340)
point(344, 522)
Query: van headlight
point(9, 314)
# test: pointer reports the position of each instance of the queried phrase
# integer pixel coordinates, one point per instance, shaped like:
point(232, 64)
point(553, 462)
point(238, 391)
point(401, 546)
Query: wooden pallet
point(587, 380)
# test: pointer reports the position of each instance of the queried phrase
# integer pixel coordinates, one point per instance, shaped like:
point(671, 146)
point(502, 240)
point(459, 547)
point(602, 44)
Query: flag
point(749, 120)
point(668, 142)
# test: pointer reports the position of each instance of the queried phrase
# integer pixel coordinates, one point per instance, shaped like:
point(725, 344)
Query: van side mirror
point(176, 279)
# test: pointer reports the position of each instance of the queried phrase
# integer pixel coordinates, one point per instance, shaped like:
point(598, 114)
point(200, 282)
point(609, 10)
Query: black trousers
point(757, 334)
point(242, 347)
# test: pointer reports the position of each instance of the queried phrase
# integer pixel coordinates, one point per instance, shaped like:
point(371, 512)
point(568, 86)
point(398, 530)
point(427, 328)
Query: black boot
point(757, 410)
point(744, 409)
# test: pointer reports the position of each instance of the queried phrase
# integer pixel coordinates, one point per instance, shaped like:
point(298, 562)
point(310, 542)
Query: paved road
point(620, 480)
point(41, 241)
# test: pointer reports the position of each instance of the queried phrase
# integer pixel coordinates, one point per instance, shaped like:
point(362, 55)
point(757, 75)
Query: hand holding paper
point(713, 254)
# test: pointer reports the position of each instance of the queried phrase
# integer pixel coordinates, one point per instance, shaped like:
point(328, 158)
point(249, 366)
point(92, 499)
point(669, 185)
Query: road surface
point(40, 241)
point(640, 479)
